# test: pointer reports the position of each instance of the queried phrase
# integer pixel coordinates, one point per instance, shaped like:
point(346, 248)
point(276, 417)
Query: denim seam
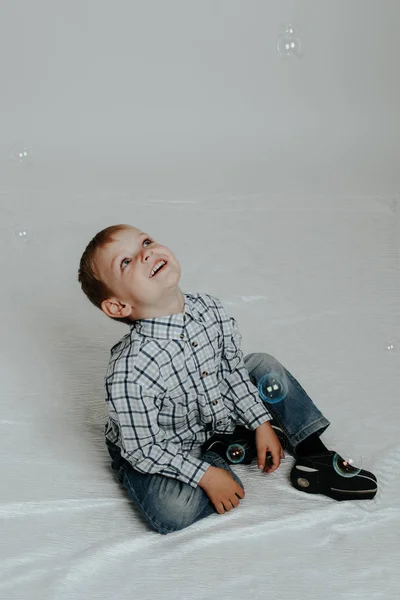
point(277, 419)
point(322, 421)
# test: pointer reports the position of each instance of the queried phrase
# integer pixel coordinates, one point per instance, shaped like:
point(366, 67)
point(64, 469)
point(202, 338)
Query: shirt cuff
point(194, 469)
point(256, 416)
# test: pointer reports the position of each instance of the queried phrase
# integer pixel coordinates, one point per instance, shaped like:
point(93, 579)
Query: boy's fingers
point(261, 462)
point(276, 461)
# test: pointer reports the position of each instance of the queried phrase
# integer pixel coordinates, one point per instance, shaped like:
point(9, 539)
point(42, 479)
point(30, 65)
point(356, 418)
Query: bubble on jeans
point(346, 467)
point(272, 387)
point(235, 453)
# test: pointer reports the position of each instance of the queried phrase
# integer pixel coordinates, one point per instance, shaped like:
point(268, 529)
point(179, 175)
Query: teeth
point(161, 262)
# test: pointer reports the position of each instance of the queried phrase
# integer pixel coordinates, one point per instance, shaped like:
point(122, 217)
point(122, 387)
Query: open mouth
point(159, 271)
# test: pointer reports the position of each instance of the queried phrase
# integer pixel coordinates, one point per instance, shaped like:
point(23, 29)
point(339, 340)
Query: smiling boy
point(179, 391)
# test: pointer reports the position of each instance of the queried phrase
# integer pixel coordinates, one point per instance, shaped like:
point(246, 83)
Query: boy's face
point(125, 265)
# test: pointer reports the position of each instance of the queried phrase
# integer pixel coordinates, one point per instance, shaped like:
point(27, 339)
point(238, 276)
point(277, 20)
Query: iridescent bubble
point(236, 452)
point(273, 387)
point(289, 46)
point(345, 468)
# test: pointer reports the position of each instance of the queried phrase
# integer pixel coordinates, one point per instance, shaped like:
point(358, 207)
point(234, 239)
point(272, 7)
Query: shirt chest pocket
point(208, 358)
point(179, 409)
point(175, 412)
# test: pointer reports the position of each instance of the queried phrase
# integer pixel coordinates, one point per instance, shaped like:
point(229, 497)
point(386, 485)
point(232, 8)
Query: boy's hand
point(222, 489)
point(267, 441)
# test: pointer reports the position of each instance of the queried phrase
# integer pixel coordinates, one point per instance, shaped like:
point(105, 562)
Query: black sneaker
point(219, 443)
point(316, 474)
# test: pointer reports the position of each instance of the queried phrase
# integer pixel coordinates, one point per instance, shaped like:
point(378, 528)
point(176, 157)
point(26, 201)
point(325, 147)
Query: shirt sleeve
point(143, 443)
point(243, 393)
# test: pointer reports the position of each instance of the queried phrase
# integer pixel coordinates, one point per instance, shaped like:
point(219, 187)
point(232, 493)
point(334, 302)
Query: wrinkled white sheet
point(313, 282)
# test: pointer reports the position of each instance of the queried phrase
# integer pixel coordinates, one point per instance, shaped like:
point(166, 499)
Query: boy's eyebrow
point(119, 255)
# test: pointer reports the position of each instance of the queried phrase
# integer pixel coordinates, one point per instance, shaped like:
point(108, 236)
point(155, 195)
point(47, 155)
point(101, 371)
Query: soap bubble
point(20, 155)
point(289, 46)
point(290, 29)
point(23, 155)
point(392, 347)
point(21, 235)
point(273, 387)
point(289, 42)
point(345, 467)
point(236, 452)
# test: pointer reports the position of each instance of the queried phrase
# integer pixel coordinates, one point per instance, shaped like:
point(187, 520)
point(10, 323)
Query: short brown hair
point(95, 289)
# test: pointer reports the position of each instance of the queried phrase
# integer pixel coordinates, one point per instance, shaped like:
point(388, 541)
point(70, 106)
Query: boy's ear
point(113, 308)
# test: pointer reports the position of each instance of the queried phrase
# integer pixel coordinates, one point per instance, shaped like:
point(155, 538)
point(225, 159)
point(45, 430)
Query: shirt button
point(215, 402)
point(204, 373)
point(184, 317)
point(195, 344)
point(182, 336)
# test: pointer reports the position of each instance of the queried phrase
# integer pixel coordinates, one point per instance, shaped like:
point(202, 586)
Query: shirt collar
point(170, 327)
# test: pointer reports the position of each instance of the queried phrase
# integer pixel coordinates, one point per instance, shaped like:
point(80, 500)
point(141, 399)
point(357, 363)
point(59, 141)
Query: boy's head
point(115, 273)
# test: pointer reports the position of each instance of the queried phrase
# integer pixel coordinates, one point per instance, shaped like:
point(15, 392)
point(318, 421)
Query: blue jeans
point(168, 504)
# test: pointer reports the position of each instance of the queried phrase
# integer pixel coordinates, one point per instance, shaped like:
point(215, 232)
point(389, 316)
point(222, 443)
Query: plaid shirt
point(174, 381)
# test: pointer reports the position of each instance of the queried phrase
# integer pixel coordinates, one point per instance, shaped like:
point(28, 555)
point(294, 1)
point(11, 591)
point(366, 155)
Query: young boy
point(179, 393)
